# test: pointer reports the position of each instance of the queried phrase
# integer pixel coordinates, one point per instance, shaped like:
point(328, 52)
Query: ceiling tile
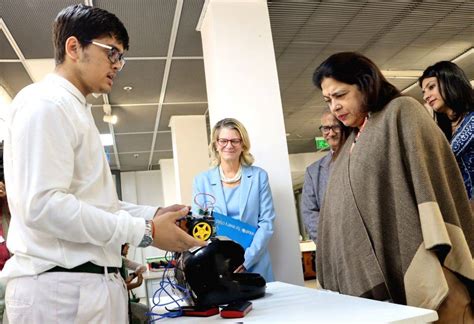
point(163, 141)
point(13, 77)
point(157, 156)
point(145, 77)
point(98, 114)
point(30, 24)
point(135, 119)
point(186, 82)
point(134, 162)
point(148, 23)
point(133, 142)
point(6, 50)
point(188, 39)
point(179, 110)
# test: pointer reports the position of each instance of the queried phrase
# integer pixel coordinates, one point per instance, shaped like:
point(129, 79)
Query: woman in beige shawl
point(396, 223)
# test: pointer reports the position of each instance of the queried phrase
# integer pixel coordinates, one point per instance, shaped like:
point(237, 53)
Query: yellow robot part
point(202, 230)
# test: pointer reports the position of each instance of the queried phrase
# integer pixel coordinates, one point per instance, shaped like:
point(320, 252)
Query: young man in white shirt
point(67, 223)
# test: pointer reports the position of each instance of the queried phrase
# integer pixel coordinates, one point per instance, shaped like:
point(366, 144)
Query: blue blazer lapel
point(246, 183)
point(218, 192)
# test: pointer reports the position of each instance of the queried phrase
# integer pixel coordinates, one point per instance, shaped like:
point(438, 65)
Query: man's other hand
point(169, 237)
point(172, 208)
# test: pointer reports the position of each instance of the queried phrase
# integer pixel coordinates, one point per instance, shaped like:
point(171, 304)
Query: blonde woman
point(241, 191)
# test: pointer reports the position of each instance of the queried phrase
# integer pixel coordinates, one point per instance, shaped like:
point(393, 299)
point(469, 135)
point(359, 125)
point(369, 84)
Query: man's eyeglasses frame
point(327, 129)
point(113, 54)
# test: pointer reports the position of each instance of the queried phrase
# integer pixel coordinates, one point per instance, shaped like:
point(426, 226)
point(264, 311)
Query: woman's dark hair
point(354, 68)
point(455, 89)
point(85, 23)
point(445, 124)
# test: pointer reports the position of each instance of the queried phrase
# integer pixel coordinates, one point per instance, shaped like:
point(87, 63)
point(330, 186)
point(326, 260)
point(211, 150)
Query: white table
point(285, 303)
point(307, 246)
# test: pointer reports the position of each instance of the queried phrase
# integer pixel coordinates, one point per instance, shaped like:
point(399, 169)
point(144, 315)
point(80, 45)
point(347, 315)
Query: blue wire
point(165, 282)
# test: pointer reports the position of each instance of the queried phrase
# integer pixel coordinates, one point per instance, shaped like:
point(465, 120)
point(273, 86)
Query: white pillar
point(168, 182)
point(242, 82)
point(190, 153)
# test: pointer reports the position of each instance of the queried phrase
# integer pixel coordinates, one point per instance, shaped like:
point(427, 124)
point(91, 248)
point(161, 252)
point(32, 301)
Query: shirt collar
point(66, 84)
point(328, 159)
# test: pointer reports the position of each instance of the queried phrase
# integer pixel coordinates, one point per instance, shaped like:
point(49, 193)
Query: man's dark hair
point(355, 69)
point(85, 23)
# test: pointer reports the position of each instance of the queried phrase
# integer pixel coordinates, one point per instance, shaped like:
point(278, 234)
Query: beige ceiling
point(166, 71)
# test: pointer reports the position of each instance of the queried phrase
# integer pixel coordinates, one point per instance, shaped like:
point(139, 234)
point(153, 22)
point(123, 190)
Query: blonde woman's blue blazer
point(256, 209)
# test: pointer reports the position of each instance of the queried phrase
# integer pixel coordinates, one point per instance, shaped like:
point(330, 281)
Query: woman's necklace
point(234, 179)
point(358, 134)
point(455, 125)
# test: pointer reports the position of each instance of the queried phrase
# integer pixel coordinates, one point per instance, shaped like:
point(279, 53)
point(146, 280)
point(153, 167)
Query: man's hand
point(139, 279)
point(169, 237)
point(172, 208)
point(141, 269)
point(132, 285)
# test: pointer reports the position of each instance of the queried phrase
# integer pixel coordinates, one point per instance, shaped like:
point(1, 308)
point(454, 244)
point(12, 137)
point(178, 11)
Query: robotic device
point(200, 227)
point(208, 273)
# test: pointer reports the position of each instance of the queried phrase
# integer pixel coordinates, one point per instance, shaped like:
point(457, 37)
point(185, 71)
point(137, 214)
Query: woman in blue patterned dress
point(447, 90)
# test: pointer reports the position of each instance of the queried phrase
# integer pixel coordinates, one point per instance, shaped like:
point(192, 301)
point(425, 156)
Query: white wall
point(299, 163)
point(190, 153)
point(142, 188)
point(168, 182)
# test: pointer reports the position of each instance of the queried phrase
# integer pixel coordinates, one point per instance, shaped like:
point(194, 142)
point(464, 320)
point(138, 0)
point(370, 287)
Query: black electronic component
point(200, 227)
point(208, 272)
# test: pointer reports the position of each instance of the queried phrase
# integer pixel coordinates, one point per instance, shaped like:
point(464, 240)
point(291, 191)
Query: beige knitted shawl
point(396, 212)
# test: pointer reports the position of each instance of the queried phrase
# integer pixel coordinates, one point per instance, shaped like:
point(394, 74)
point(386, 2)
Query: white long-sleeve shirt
point(64, 206)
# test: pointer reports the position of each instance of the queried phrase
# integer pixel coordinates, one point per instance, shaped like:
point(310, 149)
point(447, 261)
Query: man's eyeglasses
point(326, 129)
point(113, 54)
point(223, 141)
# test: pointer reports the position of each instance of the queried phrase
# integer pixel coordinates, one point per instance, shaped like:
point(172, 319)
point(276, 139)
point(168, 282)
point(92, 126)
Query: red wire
point(205, 205)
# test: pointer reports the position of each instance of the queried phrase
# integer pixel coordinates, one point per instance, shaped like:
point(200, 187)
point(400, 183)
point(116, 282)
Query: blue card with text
point(234, 229)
